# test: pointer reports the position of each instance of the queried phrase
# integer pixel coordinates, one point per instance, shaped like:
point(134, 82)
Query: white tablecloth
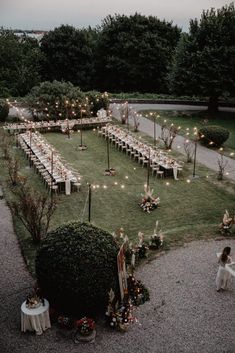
point(37, 319)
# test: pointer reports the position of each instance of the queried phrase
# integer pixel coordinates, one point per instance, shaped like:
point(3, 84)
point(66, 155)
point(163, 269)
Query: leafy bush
point(76, 266)
point(97, 101)
point(213, 135)
point(55, 100)
point(4, 110)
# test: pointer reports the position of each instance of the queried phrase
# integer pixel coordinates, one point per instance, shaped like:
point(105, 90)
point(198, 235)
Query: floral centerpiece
point(149, 202)
point(34, 300)
point(85, 326)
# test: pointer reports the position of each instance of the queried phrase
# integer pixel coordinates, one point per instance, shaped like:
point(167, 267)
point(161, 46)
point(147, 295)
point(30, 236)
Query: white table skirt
point(37, 319)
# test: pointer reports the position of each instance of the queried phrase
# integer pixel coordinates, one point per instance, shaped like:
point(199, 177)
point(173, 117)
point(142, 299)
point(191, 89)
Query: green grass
point(189, 120)
point(188, 210)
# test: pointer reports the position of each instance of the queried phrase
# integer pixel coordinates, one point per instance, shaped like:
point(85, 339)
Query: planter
point(82, 148)
point(110, 172)
point(90, 338)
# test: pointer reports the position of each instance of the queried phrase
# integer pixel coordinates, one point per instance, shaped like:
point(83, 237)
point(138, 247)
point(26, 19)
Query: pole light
point(89, 203)
point(195, 157)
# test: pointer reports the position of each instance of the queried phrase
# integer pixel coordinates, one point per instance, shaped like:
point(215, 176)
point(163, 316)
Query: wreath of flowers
point(85, 326)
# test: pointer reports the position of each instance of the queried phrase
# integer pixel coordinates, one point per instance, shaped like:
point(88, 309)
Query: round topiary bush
point(216, 134)
point(76, 266)
point(4, 110)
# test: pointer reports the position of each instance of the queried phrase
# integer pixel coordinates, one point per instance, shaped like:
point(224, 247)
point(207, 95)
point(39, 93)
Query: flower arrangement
point(148, 202)
point(65, 322)
point(122, 317)
point(156, 239)
point(138, 293)
point(33, 301)
point(85, 326)
point(227, 223)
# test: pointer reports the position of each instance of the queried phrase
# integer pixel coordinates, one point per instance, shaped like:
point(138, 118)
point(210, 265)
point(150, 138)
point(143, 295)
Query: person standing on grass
point(223, 275)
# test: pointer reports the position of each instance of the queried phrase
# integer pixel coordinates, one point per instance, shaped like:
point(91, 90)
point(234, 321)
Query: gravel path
point(204, 155)
point(185, 314)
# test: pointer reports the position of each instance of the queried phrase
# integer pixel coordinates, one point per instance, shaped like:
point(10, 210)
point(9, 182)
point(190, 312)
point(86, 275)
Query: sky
point(48, 14)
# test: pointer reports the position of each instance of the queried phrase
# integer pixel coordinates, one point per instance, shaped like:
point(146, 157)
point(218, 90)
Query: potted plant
point(85, 330)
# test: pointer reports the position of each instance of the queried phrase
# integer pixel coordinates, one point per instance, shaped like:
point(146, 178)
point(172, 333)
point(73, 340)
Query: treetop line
point(106, 58)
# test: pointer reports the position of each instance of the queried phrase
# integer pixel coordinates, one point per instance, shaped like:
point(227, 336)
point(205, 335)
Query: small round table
point(37, 319)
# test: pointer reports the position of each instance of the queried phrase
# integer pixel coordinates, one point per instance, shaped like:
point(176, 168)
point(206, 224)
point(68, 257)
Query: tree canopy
point(204, 62)
point(133, 53)
point(69, 55)
point(20, 64)
point(56, 100)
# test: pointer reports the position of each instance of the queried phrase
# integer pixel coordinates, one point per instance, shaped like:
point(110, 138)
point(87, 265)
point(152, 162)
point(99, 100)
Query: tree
point(35, 210)
point(69, 55)
point(204, 61)
point(133, 53)
point(56, 100)
point(4, 110)
point(20, 64)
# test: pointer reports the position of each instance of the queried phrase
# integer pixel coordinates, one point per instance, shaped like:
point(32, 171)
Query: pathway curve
point(205, 156)
point(185, 313)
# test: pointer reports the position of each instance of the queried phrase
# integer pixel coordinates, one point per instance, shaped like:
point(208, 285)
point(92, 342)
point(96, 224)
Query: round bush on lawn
point(216, 134)
point(76, 266)
point(4, 110)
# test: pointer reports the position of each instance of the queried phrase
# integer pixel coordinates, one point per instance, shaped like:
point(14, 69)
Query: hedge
point(76, 266)
point(216, 134)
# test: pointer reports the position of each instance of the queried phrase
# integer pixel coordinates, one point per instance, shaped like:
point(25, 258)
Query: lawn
point(188, 120)
point(187, 210)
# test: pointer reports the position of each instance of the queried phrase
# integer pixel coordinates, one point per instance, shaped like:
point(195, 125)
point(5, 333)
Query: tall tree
point(133, 53)
point(20, 64)
point(204, 62)
point(69, 55)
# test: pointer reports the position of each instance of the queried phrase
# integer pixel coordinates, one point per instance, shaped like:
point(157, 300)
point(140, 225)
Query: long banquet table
point(43, 155)
point(126, 141)
point(58, 124)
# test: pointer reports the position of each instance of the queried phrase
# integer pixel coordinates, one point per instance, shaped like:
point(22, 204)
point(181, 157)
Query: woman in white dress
point(223, 275)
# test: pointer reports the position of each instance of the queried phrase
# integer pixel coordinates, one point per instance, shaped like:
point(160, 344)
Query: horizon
point(46, 15)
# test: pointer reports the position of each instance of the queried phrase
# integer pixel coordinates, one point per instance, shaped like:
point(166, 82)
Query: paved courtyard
point(185, 313)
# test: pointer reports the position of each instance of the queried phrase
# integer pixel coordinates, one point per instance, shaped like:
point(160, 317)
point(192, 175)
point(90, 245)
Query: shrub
point(97, 101)
point(33, 208)
point(213, 135)
point(4, 110)
point(76, 266)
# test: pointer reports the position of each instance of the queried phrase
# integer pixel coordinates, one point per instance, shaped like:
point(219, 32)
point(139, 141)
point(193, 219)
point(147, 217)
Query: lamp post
point(108, 154)
point(89, 203)
point(127, 116)
point(148, 171)
point(81, 127)
point(52, 167)
point(154, 130)
point(194, 158)
point(67, 118)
